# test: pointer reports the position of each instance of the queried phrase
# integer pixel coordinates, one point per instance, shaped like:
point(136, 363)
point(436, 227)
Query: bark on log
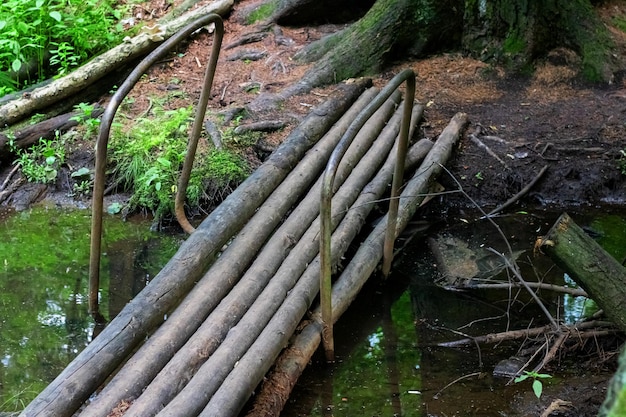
point(242, 380)
point(100, 66)
point(43, 130)
point(597, 272)
point(153, 358)
point(356, 274)
point(146, 311)
point(249, 315)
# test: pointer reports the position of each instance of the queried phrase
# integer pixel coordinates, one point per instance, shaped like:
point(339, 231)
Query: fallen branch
point(576, 292)
point(573, 331)
point(97, 68)
point(520, 194)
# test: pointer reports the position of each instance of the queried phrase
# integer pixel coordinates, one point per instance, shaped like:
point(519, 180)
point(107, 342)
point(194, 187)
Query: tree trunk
point(506, 31)
point(597, 272)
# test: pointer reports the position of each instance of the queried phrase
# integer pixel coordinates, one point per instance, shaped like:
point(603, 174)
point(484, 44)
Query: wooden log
point(251, 368)
point(46, 129)
point(597, 272)
point(100, 66)
point(161, 347)
point(217, 336)
point(147, 310)
point(275, 390)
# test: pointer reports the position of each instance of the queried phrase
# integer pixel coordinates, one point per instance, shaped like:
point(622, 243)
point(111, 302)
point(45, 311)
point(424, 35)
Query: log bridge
point(240, 297)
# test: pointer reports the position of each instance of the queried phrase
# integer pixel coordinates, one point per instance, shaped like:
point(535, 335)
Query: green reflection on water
point(44, 320)
point(381, 377)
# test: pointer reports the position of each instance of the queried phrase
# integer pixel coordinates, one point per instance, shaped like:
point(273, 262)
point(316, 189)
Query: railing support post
point(105, 129)
point(328, 179)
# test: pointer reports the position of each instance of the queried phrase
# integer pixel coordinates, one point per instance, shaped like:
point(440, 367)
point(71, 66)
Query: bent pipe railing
point(327, 190)
point(103, 139)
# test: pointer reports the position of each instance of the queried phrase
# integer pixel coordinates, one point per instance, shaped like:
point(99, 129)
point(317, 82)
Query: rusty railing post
point(105, 129)
point(327, 191)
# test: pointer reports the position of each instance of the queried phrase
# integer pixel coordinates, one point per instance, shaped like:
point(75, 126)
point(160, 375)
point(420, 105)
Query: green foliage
point(86, 118)
point(41, 162)
point(620, 23)
point(38, 33)
point(536, 377)
point(225, 167)
point(148, 157)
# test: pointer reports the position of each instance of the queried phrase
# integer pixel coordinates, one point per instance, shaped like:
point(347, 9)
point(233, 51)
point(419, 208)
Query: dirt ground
point(550, 118)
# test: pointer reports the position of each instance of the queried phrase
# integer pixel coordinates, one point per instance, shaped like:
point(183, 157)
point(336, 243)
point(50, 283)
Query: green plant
point(148, 155)
point(84, 181)
point(41, 162)
point(536, 377)
point(86, 118)
point(64, 34)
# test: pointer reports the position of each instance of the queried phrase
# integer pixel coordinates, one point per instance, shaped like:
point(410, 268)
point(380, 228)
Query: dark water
point(44, 320)
point(388, 362)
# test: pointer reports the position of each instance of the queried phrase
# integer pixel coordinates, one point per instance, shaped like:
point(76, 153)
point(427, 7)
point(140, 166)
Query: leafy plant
point(148, 155)
point(87, 118)
point(41, 162)
point(537, 384)
point(35, 33)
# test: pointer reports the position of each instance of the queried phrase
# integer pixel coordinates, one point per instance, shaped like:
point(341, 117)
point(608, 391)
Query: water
point(388, 359)
point(389, 363)
point(44, 320)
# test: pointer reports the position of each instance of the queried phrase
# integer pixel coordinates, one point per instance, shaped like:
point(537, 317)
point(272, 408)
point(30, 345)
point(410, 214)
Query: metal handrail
point(327, 190)
point(103, 139)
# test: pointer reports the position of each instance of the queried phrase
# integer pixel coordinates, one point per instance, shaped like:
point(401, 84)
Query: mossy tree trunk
point(519, 31)
point(513, 31)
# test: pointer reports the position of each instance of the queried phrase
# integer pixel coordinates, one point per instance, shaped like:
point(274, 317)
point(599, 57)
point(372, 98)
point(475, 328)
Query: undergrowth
point(147, 156)
point(41, 37)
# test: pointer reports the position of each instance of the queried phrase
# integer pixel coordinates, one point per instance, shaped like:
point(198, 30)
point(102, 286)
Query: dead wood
point(521, 193)
point(100, 66)
point(46, 129)
point(576, 292)
point(247, 55)
point(575, 331)
point(363, 263)
point(147, 310)
point(262, 126)
point(234, 325)
point(597, 272)
point(173, 342)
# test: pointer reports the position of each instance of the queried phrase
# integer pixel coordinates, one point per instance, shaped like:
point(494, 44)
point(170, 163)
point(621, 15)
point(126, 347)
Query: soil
point(548, 118)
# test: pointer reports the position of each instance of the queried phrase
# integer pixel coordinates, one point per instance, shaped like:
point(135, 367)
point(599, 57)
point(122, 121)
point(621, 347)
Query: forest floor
point(549, 118)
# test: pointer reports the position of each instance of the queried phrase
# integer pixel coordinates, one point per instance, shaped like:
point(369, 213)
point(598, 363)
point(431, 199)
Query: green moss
point(262, 12)
point(514, 44)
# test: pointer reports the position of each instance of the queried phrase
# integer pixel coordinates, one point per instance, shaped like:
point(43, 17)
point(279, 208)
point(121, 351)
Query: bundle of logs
point(202, 335)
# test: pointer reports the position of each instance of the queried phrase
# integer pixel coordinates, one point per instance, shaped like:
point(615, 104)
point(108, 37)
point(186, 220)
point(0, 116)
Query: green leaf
point(165, 162)
point(3, 24)
point(82, 172)
point(537, 388)
point(39, 3)
point(51, 160)
point(114, 208)
point(521, 378)
point(16, 65)
point(56, 15)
